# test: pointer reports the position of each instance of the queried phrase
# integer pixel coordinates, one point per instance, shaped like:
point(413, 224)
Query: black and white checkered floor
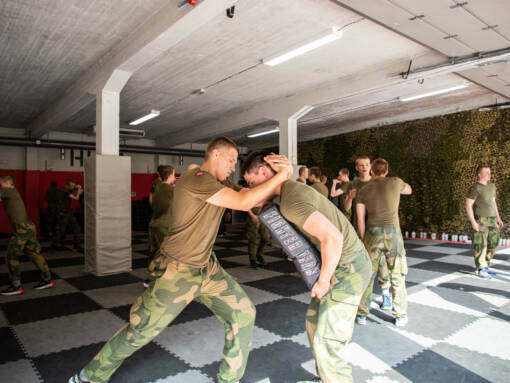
point(459, 329)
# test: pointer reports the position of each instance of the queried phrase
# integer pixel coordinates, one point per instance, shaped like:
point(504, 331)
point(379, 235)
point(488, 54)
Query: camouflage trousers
point(63, 221)
point(387, 242)
point(24, 240)
point(156, 236)
point(162, 302)
point(383, 274)
point(258, 237)
point(485, 241)
point(330, 321)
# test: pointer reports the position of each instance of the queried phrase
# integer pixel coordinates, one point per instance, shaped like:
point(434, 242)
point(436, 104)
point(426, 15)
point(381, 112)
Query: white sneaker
point(401, 321)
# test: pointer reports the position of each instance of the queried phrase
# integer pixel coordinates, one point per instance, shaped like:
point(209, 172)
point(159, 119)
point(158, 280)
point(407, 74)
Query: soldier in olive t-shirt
point(186, 268)
point(345, 270)
point(321, 188)
point(379, 200)
point(23, 240)
point(482, 211)
point(161, 208)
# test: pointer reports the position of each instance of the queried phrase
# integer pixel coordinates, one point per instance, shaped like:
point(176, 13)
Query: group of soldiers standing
point(370, 202)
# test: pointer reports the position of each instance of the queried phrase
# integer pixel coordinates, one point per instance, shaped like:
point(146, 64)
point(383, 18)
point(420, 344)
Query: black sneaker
point(254, 265)
point(44, 285)
point(78, 248)
point(261, 260)
point(12, 290)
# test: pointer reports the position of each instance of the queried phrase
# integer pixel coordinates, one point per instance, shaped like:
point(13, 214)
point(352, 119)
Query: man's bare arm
point(246, 200)
point(348, 199)
point(361, 211)
point(407, 189)
point(469, 211)
point(331, 240)
point(500, 222)
point(335, 192)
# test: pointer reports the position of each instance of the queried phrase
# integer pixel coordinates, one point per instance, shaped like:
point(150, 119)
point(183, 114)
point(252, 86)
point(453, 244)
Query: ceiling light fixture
point(264, 133)
point(433, 93)
point(151, 115)
point(334, 35)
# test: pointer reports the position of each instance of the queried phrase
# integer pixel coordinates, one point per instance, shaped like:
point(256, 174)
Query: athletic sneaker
point(254, 265)
point(361, 320)
point(261, 260)
point(482, 273)
point(44, 285)
point(491, 272)
point(12, 290)
point(76, 379)
point(401, 321)
point(386, 302)
point(146, 283)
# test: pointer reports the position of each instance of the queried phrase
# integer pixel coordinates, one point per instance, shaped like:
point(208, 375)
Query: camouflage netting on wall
point(437, 156)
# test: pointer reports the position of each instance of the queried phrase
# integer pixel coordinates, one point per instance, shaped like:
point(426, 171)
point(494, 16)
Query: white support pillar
point(108, 188)
point(107, 113)
point(288, 136)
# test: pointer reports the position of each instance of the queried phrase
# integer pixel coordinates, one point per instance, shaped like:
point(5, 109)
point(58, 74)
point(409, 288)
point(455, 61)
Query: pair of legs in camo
point(164, 300)
point(387, 242)
point(330, 321)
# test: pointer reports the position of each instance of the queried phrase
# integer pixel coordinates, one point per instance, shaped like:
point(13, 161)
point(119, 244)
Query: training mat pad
point(304, 255)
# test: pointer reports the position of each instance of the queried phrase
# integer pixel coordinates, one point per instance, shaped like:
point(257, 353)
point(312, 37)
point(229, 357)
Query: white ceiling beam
point(165, 29)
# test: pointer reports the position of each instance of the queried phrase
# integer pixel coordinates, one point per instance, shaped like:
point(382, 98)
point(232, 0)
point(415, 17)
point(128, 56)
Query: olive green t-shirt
point(484, 199)
point(155, 185)
point(298, 202)
point(52, 196)
point(321, 188)
point(358, 185)
point(194, 224)
point(64, 201)
point(161, 205)
point(381, 198)
point(13, 205)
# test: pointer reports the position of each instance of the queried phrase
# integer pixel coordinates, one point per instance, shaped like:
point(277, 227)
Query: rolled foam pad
point(303, 253)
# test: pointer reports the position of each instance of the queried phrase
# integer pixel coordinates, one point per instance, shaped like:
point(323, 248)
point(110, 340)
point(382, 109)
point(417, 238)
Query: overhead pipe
point(24, 142)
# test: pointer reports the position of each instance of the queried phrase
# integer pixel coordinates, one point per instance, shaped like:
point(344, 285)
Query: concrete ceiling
point(353, 83)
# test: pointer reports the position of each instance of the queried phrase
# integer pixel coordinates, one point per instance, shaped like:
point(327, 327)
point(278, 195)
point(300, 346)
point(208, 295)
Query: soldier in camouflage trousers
point(387, 242)
point(24, 240)
point(482, 211)
point(162, 302)
point(258, 237)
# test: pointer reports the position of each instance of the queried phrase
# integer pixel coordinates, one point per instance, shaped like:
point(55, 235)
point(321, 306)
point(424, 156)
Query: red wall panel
point(32, 186)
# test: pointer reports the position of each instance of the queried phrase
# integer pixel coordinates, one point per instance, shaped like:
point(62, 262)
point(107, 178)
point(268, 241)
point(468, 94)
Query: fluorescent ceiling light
point(152, 114)
point(333, 36)
point(433, 93)
point(264, 133)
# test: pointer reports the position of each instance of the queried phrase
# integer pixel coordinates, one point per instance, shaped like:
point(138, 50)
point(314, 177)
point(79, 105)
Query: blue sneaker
point(386, 302)
point(361, 320)
point(489, 271)
point(482, 273)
